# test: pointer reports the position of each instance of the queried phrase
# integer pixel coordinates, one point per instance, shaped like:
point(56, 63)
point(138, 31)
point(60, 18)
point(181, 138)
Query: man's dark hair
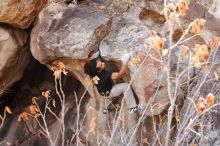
point(90, 68)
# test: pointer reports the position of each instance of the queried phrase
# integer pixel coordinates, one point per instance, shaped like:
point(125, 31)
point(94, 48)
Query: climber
point(96, 68)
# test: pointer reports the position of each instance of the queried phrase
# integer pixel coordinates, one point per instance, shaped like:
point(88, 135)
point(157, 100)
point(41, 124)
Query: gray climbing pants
point(123, 88)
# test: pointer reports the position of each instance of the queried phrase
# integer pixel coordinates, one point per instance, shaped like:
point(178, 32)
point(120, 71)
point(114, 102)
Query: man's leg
point(124, 88)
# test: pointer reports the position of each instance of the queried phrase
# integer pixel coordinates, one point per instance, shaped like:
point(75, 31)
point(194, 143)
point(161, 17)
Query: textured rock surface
point(20, 13)
point(63, 32)
point(208, 11)
point(14, 56)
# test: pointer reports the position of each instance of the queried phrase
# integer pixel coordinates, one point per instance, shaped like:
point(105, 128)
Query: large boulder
point(66, 32)
point(20, 13)
point(14, 56)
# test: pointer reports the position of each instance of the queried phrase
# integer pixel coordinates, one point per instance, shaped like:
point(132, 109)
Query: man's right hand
point(125, 58)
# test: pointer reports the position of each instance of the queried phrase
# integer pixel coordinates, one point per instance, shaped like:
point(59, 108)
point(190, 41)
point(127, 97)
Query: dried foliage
point(156, 42)
point(197, 25)
point(201, 59)
point(182, 7)
point(40, 115)
point(214, 42)
point(58, 69)
point(7, 110)
point(46, 94)
point(23, 116)
point(210, 99)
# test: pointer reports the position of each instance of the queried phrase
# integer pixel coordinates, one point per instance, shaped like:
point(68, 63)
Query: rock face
point(71, 33)
point(63, 32)
point(20, 13)
point(14, 56)
point(208, 11)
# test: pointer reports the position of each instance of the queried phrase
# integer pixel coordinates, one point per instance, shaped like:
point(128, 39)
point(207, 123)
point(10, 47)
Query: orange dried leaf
point(182, 7)
point(210, 99)
point(201, 107)
point(8, 110)
point(34, 100)
point(46, 94)
point(204, 53)
point(195, 61)
point(197, 25)
point(33, 109)
point(61, 65)
point(214, 42)
point(146, 140)
point(186, 51)
point(54, 103)
point(23, 116)
point(136, 60)
point(159, 44)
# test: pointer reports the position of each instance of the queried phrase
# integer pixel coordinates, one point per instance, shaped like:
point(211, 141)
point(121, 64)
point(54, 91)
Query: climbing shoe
point(105, 111)
point(134, 109)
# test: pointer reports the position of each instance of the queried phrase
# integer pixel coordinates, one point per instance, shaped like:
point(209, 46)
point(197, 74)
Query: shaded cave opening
point(36, 79)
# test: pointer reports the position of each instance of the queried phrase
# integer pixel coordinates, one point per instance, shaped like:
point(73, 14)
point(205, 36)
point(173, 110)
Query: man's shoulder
point(105, 74)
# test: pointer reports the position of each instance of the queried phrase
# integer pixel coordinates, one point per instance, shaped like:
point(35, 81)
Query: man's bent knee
point(126, 86)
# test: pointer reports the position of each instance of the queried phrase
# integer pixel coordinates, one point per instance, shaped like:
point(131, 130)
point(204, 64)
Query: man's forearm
point(123, 70)
point(120, 74)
